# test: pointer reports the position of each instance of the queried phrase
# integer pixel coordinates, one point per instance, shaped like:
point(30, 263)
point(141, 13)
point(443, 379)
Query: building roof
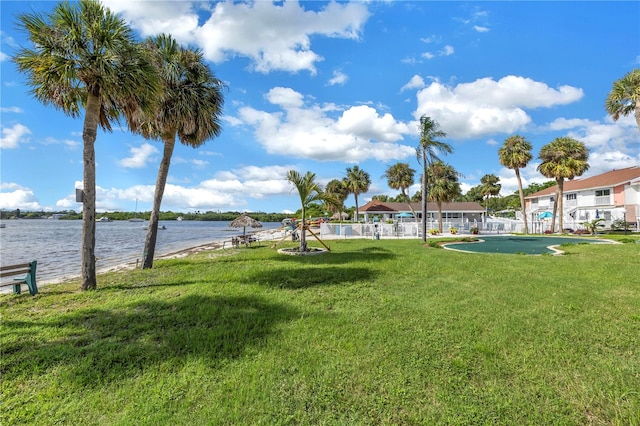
point(604, 180)
point(376, 206)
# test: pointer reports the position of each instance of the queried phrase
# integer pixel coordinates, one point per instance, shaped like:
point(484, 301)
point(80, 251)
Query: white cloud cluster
point(227, 190)
point(247, 29)
point(339, 78)
point(13, 136)
point(612, 145)
point(14, 196)
point(140, 156)
point(309, 131)
point(487, 106)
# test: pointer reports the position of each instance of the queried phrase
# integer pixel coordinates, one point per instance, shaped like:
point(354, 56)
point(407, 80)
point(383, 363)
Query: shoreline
point(264, 235)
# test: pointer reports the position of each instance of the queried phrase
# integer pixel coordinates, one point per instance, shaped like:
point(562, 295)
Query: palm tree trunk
point(560, 205)
point(89, 133)
point(303, 233)
point(440, 216)
point(424, 197)
point(523, 206)
point(355, 195)
point(152, 231)
point(637, 113)
point(555, 208)
point(406, 198)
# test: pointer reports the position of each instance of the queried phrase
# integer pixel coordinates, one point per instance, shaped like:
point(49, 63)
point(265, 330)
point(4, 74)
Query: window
point(570, 197)
point(602, 196)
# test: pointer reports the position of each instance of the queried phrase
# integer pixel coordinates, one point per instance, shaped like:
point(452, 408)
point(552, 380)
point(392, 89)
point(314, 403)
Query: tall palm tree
point(563, 158)
point(189, 108)
point(489, 187)
point(515, 154)
point(85, 59)
point(357, 182)
point(336, 193)
point(443, 185)
point(427, 152)
point(624, 97)
point(309, 192)
point(400, 176)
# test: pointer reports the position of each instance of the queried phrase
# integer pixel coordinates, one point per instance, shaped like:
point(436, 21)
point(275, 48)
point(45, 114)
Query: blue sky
point(322, 86)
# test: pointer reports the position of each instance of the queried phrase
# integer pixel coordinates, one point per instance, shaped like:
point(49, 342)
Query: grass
point(376, 332)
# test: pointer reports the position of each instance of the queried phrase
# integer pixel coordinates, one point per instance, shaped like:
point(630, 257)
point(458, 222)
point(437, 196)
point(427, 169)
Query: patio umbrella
point(243, 221)
point(403, 215)
point(545, 215)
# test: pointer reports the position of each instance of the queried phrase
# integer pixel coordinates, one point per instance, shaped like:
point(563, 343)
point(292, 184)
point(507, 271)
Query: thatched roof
point(243, 221)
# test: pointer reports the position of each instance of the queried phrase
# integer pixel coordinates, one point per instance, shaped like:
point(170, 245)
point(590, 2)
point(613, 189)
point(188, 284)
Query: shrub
point(474, 230)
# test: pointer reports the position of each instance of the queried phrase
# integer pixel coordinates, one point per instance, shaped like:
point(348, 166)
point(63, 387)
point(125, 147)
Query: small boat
point(136, 218)
point(179, 218)
point(105, 219)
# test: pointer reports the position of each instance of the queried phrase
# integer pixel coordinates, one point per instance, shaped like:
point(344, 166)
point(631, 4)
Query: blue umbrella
point(545, 215)
point(597, 214)
point(405, 214)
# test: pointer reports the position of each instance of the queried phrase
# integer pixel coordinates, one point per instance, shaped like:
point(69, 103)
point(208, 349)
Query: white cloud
point(309, 131)
point(14, 109)
point(69, 143)
point(14, 196)
point(13, 136)
point(338, 78)
point(486, 106)
point(447, 51)
point(480, 29)
point(227, 190)
point(612, 145)
point(139, 156)
point(274, 36)
point(431, 39)
point(416, 82)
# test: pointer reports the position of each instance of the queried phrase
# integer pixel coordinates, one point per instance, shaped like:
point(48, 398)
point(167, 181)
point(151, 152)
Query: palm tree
point(427, 152)
point(336, 193)
point(85, 60)
point(624, 97)
point(489, 187)
point(443, 185)
point(189, 108)
point(400, 176)
point(515, 154)
point(309, 192)
point(563, 158)
point(357, 182)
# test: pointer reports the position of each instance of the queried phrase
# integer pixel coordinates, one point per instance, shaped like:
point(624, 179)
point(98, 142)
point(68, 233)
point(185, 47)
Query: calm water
point(56, 244)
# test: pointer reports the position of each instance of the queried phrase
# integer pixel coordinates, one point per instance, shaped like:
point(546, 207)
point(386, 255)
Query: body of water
point(56, 244)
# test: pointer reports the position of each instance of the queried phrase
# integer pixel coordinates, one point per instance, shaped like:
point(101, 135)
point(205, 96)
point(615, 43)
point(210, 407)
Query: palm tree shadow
point(97, 346)
point(308, 277)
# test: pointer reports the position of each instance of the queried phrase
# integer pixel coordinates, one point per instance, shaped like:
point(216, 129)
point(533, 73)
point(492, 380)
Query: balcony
point(603, 200)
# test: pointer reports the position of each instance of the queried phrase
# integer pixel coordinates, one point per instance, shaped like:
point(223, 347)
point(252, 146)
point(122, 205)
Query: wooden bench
point(28, 272)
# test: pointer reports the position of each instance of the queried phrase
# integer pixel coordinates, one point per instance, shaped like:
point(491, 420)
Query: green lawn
point(376, 332)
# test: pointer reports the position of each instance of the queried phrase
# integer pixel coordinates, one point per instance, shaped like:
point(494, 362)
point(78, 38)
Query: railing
point(603, 200)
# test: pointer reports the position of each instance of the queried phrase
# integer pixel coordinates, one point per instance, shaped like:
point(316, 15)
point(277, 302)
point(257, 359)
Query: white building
point(612, 196)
